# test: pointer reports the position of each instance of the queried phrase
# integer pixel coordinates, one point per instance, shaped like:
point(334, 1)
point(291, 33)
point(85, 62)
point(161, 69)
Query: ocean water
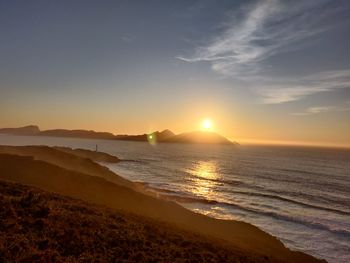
point(301, 195)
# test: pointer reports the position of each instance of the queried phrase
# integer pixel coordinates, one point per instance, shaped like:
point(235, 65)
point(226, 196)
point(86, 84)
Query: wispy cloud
point(269, 27)
point(257, 32)
point(321, 109)
point(288, 89)
point(126, 39)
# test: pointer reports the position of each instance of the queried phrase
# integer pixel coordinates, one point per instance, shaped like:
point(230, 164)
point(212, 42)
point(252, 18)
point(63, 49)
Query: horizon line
point(241, 141)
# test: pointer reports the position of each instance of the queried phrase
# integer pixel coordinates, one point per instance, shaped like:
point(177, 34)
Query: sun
point(207, 124)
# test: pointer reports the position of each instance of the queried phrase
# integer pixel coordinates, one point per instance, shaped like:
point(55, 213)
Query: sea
point(301, 195)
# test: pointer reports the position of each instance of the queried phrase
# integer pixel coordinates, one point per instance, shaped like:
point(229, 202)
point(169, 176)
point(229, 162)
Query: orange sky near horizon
point(241, 122)
point(247, 129)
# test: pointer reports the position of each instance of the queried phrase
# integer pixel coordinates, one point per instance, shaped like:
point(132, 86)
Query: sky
point(270, 71)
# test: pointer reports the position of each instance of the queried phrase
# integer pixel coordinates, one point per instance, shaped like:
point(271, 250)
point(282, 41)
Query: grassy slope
point(38, 226)
point(67, 159)
point(93, 155)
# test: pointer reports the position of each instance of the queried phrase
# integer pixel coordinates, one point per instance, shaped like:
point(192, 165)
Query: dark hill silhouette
point(78, 134)
point(166, 136)
point(160, 136)
point(199, 137)
point(27, 130)
point(125, 137)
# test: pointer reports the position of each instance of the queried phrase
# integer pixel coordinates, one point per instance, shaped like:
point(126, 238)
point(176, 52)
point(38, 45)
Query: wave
point(132, 161)
point(281, 198)
point(277, 197)
point(175, 196)
point(294, 170)
point(229, 182)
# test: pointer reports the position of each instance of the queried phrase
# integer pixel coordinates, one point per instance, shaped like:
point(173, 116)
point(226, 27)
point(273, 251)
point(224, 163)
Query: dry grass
point(37, 226)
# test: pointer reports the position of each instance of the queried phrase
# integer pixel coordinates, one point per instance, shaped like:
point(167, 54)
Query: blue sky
point(132, 66)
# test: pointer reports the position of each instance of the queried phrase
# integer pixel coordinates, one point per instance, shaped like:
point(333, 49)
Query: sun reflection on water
point(204, 174)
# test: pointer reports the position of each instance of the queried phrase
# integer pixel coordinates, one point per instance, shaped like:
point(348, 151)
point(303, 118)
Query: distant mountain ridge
point(166, 136)
point(160, 136)
point(78, 134)
point(26, 130)
point(199, 137)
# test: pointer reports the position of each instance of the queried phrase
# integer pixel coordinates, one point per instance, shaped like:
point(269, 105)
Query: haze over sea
point(300, 195)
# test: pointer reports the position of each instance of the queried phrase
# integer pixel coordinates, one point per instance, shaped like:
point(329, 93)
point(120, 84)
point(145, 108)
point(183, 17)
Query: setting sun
point(207, 124)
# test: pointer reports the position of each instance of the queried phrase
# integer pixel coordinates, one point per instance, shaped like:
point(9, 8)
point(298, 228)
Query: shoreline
point(244, 144)
point(126, 196)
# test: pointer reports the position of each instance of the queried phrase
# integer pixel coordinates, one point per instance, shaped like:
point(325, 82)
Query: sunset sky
point(262, 71)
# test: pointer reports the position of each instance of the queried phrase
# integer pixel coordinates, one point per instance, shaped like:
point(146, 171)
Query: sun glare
point(207, 124)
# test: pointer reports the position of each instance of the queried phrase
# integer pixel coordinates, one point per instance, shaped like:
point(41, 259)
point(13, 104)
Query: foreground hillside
point(72, 175)
point(38, 226)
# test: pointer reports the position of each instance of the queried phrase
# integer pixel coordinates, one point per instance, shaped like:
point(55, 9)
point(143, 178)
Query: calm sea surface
point(300, 195)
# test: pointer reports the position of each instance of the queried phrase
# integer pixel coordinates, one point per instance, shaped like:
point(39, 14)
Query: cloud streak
point(286, 90)
point(321, 109)
point(268, 28)
point(258, 32)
